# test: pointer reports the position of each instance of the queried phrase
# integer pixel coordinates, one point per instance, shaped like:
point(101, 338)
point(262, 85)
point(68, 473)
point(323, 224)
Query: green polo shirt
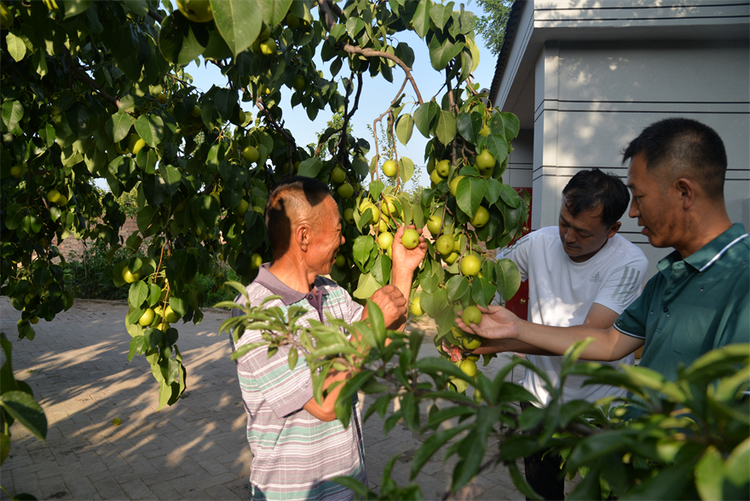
point(693, 305)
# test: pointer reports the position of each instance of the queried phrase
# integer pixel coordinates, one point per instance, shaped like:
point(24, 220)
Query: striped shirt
point(294, 453)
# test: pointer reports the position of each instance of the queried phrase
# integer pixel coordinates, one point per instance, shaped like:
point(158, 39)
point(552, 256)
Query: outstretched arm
point(499, 323)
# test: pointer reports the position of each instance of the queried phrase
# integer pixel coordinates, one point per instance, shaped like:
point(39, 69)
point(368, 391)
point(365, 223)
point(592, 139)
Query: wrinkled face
point(583, 235)
point(326, 238)
point(651, 204)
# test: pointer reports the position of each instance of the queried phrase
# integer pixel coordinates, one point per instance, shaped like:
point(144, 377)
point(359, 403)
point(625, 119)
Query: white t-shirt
point(561, 293)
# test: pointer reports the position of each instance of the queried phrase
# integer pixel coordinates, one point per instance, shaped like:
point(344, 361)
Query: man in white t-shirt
point(580, 273)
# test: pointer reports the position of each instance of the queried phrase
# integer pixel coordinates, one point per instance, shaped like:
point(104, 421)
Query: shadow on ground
point(78, 369)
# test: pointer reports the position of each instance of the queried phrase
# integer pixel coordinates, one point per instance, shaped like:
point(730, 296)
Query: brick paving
point(78, 369)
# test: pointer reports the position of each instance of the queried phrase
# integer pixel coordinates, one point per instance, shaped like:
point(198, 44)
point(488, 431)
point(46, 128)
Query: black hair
point(288, 195)
point(684, 146)
point(590, 189)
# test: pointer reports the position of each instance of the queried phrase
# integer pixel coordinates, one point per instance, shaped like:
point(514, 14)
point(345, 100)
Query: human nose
point(569, 236)
point(634, 209)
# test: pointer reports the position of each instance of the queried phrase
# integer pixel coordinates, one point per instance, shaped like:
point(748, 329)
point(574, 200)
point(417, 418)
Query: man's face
point(651, 204)
point(326, 238)
point(583, 235)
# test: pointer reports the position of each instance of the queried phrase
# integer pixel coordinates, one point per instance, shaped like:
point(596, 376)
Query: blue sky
point(377, 95)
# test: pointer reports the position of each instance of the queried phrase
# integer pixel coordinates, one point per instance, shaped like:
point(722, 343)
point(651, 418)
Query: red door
point(519, 304)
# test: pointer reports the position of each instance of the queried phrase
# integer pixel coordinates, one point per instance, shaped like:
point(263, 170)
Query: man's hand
point(497, 323)
point(391, 302)
point(405, 261)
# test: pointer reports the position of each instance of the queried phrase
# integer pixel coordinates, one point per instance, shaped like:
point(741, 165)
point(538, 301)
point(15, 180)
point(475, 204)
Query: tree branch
point(82, 76)
point(155, 16)
point(367, 52)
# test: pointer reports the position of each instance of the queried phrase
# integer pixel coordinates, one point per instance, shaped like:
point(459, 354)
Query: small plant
point(682, 439)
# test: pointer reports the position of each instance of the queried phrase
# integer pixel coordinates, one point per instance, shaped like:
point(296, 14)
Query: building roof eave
point(502, 58)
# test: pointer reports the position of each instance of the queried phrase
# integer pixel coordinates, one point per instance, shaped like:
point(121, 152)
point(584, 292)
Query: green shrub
point(90, 277)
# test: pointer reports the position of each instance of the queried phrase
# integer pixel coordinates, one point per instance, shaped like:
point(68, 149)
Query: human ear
point(614, 229)
point(302, 237)
point(686, 189)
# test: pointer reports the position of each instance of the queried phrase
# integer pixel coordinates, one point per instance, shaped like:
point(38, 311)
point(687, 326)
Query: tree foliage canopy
point(97, 91)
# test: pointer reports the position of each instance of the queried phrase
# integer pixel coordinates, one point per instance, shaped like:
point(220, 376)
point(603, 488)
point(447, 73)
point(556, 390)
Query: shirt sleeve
point(285, 390)
point(632, 321)
point(519, 254)
point(623, 285)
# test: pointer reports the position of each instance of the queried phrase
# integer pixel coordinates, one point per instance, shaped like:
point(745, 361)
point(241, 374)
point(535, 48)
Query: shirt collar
point(707, 255)
point(276, 286)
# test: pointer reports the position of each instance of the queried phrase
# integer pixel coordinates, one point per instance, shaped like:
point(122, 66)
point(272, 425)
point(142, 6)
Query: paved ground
point(78, 369)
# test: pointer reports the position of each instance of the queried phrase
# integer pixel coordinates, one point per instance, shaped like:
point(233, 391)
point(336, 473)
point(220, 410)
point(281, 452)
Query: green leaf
point(362, 249)
point(377, 321)
point(24, 409)
point(172, 178)
point(457, 286)
point(435, 302)
point(421, 19)
point(511, 125)
point(432, 445)
point(668, 484)
point(510, 196)
point(410, 411)
point(469, 194)
point(441, 14)
point(358, 487)
point(273, 11)
point(498, 146)
point(118, 126)
point(494, 188)
point(405, 169)
point(12, 114)
point(508, 278)
point(709, 474)
point(441, 53)
point(376, 188)
point(144, 219)
point(366, 286)
point(138, 293)
point(151, 129)
point(432, 365)
point(238, 20)
point(16, 47)
point(381, 269)
point(292, 357)
point(445, 414)
point(423, 117)
point(446, 127)
point(310, 167)
point(181, 41)
point(354, 26)
point(482, 291)
point(469, 125)
point(737, 466)
point(75, 7)
point(404, 128)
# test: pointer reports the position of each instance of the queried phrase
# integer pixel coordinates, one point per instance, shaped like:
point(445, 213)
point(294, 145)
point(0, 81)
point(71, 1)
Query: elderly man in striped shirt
point(298, 445)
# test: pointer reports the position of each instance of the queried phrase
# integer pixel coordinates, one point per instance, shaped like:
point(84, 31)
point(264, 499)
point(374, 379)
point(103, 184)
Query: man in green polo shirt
point(699, 300)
